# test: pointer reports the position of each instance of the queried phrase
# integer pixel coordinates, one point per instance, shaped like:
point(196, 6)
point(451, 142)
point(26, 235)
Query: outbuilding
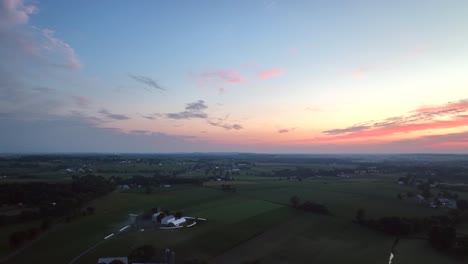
point(178, 221)
point(154, 218)
point(168, 219)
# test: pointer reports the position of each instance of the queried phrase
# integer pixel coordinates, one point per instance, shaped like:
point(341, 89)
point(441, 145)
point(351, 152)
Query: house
point(178, 221)
point(168, 219)
point(109, 260)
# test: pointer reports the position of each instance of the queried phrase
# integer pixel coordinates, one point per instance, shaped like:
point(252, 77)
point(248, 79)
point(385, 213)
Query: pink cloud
point(218, 79)
point(82, 101)
point(286, 130)
point(271, 73)
point(52, 44)
point(459, 121)
point(460, 105)
point(15, 12)
point(30, 41)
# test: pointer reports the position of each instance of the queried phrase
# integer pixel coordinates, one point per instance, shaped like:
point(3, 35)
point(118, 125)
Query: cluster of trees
point(155, 180)
point(149, 253)
point(440, 230)
point(19, 238)
point(52, 199)
point(308, 206)
point(300, 172)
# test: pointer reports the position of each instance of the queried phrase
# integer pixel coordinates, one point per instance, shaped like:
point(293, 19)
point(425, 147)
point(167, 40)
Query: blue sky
point(263, 76)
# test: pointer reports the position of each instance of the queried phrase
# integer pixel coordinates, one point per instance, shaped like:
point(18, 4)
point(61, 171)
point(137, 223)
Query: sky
point(266, 76)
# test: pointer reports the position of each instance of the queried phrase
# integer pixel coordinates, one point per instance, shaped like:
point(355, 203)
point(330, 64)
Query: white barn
point(168, 219)
point(178, 221)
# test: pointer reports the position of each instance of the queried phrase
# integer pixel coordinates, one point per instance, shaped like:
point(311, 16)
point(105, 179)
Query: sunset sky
point(243, 76)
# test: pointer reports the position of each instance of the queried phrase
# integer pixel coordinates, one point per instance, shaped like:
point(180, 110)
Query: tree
point(442, 237)
point(18, 238)
point(178, 215)
point(462, 205)
point(145, 253)
point(46, 223)
point(194, 261)
point(360, 215)
point(33, 232)
point(314, 207)
point(90, 210)
point(294, 201)
point(148, 190)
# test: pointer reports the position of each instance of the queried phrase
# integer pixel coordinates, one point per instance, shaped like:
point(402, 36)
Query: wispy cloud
point(112, 116)
point(150, 117)
point(148, 82)
point(22, 133)
point(351, 129)
point(45, 90)
point(22, 41)
point(15, 12)
point(51, 45)
point(450, 115)
point(82, 101)
point(221, 123)
point(451, 106)
point(271, 73)
point(192, 110)
point(286, 130)
point(218, 79)
point(197, 110)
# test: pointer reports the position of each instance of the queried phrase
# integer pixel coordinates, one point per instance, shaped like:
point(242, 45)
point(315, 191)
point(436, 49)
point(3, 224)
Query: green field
point(254, 223)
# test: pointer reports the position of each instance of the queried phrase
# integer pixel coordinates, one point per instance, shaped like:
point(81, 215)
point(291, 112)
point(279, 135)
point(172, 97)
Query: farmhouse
point(168, 219)
point(109, 260)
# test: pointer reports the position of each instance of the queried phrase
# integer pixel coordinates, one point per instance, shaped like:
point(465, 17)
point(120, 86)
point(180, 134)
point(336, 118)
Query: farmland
point(256, 222)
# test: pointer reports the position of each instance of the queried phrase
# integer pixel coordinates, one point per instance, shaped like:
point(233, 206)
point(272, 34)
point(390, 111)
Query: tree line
point(440, 230)
point(308, 206)
point(41, 199)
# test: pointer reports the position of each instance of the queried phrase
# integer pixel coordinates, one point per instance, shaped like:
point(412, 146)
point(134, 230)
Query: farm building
point(178, 221)
point(154, 218)
point(109, 260)
point(449, 203)
point(168, 219)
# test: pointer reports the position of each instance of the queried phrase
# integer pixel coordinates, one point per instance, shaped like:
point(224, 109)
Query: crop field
point(257, 216)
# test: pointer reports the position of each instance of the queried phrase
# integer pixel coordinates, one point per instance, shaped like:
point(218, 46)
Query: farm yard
point(254, 222)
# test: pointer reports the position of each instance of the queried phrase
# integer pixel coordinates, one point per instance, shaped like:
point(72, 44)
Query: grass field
point(254, 223)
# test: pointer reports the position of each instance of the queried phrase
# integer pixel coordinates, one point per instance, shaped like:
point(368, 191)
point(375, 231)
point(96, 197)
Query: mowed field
point(254, 223)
